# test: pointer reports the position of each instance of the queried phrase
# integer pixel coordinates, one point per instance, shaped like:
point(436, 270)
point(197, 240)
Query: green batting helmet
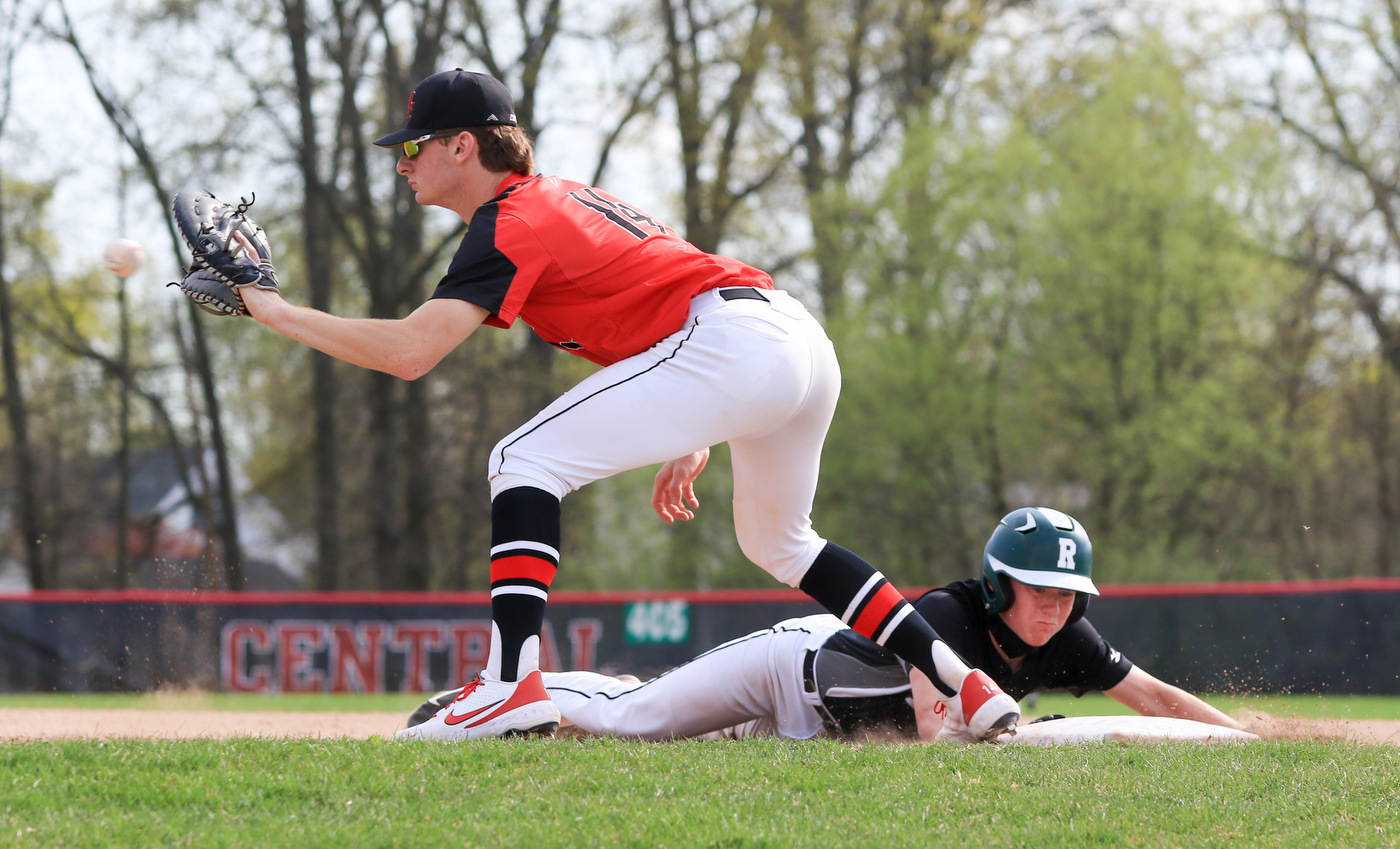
point(1042, 548)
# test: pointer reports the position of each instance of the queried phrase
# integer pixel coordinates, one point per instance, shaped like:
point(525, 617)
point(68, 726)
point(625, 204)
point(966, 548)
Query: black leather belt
point(742, 293)
point(809, 675)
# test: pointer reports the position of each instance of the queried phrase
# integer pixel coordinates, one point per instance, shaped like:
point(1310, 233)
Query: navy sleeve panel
point(1084, 662)
point(479, 274)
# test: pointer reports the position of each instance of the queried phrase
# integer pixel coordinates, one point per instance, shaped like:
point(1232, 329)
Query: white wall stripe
point(527, 545)
point(859, 596)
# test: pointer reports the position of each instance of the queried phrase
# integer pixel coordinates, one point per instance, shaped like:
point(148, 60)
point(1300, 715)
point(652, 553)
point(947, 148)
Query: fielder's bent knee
point(786, 559)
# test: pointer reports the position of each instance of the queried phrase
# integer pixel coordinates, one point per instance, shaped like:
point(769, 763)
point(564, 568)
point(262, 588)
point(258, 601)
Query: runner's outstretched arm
point(927, 709)
point(1151, 697)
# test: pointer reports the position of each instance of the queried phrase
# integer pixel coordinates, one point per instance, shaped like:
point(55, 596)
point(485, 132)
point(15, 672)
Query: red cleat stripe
point(458, 720)
point(529, 690)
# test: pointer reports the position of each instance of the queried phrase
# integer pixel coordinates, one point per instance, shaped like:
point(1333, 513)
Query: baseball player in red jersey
point(697, 349)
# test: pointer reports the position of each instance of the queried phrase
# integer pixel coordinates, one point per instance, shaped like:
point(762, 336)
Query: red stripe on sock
point(877, 609)
point(523, 566)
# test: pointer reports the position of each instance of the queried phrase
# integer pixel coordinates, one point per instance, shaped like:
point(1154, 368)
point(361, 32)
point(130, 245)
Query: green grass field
point(756, 793)
point(570, 793)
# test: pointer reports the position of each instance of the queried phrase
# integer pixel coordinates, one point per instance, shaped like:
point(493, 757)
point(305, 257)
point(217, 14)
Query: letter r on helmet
point(1068, 548)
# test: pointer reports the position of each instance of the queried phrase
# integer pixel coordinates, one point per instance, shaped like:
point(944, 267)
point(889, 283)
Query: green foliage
point(1144, 280)
point(1065, 308)
point(65, 328)
point(753, 793)
point(1056, 273)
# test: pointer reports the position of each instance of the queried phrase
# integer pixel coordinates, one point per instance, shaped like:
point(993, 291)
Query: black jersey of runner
point(855, 676)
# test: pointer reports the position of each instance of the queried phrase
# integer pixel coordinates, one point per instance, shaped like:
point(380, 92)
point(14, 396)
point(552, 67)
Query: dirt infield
point(19, 724)
point(1370, 731)
point(87, 724)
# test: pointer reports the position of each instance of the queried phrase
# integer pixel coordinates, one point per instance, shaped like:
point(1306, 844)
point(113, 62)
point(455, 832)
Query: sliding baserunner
point(697, 350)
point(1021, 621)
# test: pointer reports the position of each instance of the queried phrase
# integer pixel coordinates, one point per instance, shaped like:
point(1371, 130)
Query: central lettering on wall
point(411, 656)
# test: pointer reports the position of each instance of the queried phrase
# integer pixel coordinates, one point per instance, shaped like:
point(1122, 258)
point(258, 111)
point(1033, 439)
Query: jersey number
point(620, 214)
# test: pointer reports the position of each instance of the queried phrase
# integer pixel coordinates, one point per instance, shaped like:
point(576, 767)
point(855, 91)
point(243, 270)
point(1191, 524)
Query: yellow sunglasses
point(412, 148)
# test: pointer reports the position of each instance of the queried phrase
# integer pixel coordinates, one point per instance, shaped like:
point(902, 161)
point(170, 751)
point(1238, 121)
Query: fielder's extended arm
point(407, 347)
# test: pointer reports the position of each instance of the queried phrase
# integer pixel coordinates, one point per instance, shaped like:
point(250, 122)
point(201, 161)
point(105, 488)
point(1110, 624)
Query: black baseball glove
point(221, 264)
point(213, 295)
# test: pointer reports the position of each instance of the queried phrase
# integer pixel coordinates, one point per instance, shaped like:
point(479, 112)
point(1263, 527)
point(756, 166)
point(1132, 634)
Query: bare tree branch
point(130, 131)
point(639, 102)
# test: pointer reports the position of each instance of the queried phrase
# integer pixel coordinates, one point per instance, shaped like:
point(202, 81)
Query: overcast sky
point(57, 127)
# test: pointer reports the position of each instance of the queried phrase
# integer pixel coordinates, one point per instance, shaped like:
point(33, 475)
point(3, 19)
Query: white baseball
point(123, 257)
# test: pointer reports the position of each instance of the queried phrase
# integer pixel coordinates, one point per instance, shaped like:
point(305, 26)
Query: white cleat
point(987, 711)
point(432, 705)
point(490, 708)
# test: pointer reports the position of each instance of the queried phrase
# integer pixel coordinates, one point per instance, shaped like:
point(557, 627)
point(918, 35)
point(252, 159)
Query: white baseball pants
point(747, 687)
point(760, 375)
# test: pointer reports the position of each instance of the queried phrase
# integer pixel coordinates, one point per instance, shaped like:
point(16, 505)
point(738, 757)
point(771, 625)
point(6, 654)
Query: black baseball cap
point(452, 99)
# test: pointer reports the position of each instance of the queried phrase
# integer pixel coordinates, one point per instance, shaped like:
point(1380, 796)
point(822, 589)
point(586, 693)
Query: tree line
point(1127, 265)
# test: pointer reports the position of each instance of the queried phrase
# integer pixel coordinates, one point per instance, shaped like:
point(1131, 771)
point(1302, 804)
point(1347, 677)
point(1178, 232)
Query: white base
point(1138, 729)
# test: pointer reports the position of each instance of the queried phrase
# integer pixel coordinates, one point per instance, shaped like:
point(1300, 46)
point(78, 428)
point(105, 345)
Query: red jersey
point(591, 274)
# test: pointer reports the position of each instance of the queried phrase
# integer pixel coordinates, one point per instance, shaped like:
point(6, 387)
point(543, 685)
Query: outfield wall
point(1321, 636)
